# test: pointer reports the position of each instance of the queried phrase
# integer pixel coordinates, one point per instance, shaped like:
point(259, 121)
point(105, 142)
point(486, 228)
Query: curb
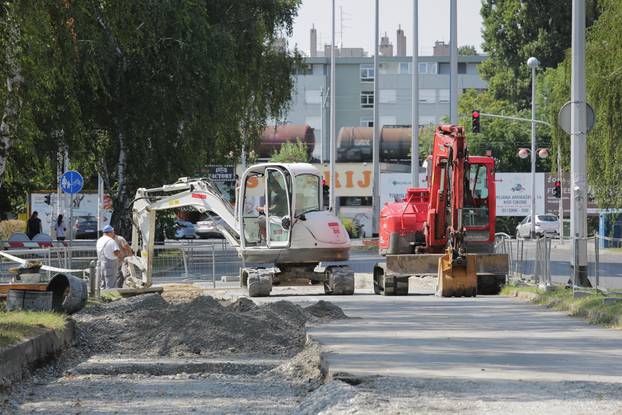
point(17, 360)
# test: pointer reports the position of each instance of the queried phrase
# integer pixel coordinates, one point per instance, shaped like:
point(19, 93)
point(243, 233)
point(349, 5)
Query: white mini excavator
point(277, 226)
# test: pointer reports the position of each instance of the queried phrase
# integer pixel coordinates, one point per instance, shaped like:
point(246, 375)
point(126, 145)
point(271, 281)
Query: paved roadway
point(487, 354)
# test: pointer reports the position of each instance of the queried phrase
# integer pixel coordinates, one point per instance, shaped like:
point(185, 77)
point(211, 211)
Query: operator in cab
point(108, 256)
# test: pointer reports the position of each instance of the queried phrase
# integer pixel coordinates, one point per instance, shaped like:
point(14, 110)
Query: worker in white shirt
point(108, 255)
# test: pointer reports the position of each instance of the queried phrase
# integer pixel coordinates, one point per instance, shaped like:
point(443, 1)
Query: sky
point(358, 23)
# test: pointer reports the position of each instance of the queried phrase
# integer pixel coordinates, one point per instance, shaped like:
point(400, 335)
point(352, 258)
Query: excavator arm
point(457, 274)
point(199, 194)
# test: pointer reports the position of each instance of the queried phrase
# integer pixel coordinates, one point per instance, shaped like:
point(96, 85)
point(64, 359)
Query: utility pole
point(533, 64)
point(415, 99)
point(578, 148)
point(333, 139)
point(561, 193)
point(453, 62)
point(376, 135)
point(323, 127)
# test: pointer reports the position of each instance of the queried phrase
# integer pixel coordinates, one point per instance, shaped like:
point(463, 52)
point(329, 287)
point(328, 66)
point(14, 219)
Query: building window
point(367, 73)
point(387, 120)
point(429, 68)
point(387, 96)
point(462, 68)
point(367, 99)
point(313, 96)
point(443, 95)
point(427, 96)
point(367, 122)
point(404, 67)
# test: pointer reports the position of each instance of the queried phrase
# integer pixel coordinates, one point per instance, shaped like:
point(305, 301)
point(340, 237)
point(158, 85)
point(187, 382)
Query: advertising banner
point(514, 193)
point(393, 186)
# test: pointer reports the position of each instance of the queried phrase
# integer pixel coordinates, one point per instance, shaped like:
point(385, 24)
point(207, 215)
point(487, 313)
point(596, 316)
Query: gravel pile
point(149, 325)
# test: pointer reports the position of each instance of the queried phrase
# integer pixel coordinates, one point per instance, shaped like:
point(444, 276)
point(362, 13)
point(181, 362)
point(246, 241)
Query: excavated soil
point(154, 355)
point(149, 325)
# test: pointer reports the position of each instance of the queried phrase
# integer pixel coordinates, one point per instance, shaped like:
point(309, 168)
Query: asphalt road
point(487, 354)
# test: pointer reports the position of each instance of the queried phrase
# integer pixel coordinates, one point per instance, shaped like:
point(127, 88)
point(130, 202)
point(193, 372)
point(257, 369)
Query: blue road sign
point(71, 182)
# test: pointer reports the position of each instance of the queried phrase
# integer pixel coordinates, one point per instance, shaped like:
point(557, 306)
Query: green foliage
point(604, 88)
point(503, 137)
point(467, 50)
point(291, 153)
point(19, 325)
point(350, 227)
point(604, 78)
point(592, 307)
point(514, 30)
point(142, 92)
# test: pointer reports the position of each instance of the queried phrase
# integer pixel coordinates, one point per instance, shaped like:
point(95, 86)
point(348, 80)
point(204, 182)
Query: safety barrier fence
point(174, 261)
point(548, 260)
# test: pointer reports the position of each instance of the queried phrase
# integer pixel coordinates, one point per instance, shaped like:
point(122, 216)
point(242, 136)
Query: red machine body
point(458, 206)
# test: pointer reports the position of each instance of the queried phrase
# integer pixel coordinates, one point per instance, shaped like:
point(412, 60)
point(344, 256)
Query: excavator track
point(387, 284)
point(259, 282)
point(340, 281)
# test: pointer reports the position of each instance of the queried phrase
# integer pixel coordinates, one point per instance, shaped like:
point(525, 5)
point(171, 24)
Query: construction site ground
point(414, 354)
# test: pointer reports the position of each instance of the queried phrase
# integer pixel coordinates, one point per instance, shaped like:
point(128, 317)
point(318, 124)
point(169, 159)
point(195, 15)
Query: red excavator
point(446, 229)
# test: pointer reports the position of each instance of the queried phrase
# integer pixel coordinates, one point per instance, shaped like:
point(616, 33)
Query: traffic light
point(47, 199)
point(475, 126)
point(557, 190)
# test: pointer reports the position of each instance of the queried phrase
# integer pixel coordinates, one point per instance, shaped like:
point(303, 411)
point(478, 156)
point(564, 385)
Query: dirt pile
point(149, 325)
point(326, 310)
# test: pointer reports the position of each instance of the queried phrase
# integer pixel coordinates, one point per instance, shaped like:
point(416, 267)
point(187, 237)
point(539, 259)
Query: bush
point(9, 227)
point(291, 153)
point(351, 228)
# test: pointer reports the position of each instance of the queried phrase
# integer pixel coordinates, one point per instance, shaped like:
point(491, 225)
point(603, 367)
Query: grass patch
point(105, 297)
point(592, 307)
point(19, 325)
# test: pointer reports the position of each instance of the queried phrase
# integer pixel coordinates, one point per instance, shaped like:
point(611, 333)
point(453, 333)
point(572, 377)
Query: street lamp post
point(533, 64)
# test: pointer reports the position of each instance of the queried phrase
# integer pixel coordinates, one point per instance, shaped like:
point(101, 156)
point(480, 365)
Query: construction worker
point(125, 251)
point(108, 256)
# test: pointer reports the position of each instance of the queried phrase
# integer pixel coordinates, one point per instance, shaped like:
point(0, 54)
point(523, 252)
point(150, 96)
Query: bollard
point(92, 278)
point(596, 259)
point(98, 284)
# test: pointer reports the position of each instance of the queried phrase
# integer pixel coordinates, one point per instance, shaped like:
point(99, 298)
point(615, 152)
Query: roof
point(294, 169)
point(381, 59)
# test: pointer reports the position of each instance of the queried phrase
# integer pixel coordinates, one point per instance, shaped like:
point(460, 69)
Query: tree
point(291, 153)
point(514, 30)
point(467, 50)
point(604, 80)
point(144, 92)
point(503, 137)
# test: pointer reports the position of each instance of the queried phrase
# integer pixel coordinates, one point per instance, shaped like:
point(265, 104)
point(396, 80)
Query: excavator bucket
point(456, 280)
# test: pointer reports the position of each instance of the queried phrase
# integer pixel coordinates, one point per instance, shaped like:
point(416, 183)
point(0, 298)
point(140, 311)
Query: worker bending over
point(108, 257)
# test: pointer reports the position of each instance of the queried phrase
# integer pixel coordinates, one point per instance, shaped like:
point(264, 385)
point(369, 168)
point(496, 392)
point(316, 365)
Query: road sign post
point(71, 183)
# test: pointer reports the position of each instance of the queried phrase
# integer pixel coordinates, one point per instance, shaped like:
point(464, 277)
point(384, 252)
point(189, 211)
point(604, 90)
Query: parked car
point(546, 225)
point(185, 230)
point(85, 227)
point(208, 228)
